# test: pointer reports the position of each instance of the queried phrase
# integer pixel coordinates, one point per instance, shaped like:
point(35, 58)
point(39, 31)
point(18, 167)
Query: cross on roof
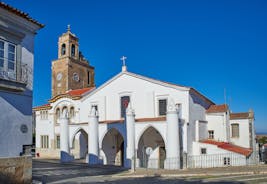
point(123, 58)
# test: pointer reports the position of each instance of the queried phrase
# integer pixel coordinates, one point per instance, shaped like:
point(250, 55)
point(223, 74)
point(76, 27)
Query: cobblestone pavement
point(51, 171)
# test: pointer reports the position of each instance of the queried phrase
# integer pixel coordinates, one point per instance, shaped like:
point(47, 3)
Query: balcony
point(16, 82)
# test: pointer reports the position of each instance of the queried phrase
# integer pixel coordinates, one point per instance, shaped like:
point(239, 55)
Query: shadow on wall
point(19, 101)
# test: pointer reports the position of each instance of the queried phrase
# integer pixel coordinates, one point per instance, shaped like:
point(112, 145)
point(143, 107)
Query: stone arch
point(63, 49)
point(113, 149)
point(144, 129)
point(57, 114)
point(152, 138)
point(106, 131)
point(79, 143)
point(71, 112)
point(73, 50)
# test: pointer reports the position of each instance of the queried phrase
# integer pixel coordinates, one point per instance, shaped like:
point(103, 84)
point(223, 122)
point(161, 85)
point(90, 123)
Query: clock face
point(76, 77)
point(59, 76)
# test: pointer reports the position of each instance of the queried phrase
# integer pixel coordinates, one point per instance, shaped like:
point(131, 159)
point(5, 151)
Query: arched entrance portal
point(113, 148)
point(80, 144)
point(151, 138)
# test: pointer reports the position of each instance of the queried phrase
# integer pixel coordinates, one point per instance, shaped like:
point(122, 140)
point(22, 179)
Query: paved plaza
point(51, 171)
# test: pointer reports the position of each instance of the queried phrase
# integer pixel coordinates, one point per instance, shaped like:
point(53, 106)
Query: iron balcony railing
point(22, 75)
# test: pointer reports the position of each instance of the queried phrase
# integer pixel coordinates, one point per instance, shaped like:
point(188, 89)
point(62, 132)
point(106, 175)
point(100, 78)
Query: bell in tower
point(71, 70)
point(68, 45)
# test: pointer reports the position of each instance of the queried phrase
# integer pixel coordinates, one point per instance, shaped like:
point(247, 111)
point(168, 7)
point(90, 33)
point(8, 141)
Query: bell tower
point(71, 70)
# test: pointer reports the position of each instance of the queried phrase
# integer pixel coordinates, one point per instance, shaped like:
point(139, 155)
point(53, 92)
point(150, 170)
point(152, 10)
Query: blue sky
point(208, 45)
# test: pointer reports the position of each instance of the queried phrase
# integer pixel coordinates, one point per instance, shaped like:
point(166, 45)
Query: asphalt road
point(48, 171)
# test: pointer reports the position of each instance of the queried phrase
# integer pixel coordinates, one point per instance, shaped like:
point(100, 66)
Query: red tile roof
point(217, 108)
point(75, 94)
point(229, 147)
point(20, 13)
point(42, 107)
point(243, 115)
point(79, 92)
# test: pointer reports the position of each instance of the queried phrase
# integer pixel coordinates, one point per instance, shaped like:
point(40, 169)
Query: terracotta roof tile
point(42, 107)
point(229, 147)
point(20, 13)
point(79, 92)
point(217, 108)
point(243, 115)
point(73, 94)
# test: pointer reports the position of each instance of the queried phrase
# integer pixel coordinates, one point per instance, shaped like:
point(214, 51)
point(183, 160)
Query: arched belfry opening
point(151, 138)
point(80, 144)
point(113, 148)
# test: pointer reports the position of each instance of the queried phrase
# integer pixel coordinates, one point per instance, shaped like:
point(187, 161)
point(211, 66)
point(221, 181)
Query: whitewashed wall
point(215, 157)
point(217, 122)
point(243, 139)
point(144, 97)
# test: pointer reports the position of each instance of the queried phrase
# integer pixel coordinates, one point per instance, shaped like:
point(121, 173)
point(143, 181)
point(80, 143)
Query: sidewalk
point(222, 171)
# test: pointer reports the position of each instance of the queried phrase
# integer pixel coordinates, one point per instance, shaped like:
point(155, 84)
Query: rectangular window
point(44, 141)
point(203, 151)
point(58, 142)
point(7, 60)
point(211, 134)
point(162, 107)
point(235, 130)
point(1, 54)
point(88, 76)
point(125, 100)
point(95, 106)
point(44, 114)
point(226, 161)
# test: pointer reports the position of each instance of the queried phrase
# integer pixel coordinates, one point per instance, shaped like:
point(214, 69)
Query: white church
point(136, 121)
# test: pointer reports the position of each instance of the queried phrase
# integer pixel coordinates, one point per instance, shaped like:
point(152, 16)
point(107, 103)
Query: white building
point(133, 117)
point(17, 32)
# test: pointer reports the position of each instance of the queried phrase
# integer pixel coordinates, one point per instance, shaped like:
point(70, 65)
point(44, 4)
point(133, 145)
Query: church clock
point(59, 76)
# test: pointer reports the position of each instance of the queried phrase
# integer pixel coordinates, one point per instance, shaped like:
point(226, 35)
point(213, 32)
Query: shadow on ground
point(158, 180)
point(50, 172)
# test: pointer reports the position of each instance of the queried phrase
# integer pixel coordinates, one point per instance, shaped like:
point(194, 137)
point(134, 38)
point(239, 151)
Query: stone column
point(64, 138)
point(173, 144)
point(93, 148)
point(130, 129)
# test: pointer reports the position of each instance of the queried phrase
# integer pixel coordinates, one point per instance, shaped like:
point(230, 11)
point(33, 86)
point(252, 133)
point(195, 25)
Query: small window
point(203, 151)
point(235, 130)
point(125, 100)
point(72, 112)
point(211, 134)
point(226, 161)
point(44, 141)
point(57, 114)
point(58, 141)
point(162, 107)
point(95, 106)
point(44, 115)
point(7, 60)
point(63, 49)
point(88, 78)
point(11, 57)
point(72, 50)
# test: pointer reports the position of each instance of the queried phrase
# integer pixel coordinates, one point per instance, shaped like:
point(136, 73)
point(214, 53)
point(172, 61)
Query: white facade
point(17, 34)
point(169, 136)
